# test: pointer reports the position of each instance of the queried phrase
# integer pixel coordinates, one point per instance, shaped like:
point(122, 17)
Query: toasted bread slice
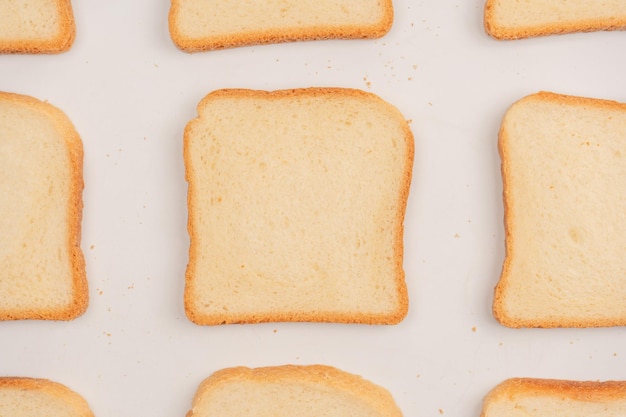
point(314, 390)
point(527, 397)
point(198, 25)
point(564, 177)
point(512, 19)
point(36, 26)
point(31, 397)
point(42, 269)
point(296, 207)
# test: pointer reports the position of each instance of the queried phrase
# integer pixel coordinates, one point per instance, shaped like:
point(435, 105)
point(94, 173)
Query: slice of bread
point(296, 207)
point(32, 397)
point(513, 19)
point(42, 269)
point(527, 397)
point(290, 390)
point(36, 26)
point(564, 179)
point(198, 25)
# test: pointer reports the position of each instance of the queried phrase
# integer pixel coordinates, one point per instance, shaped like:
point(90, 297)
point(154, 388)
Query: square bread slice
point(291, 390)
point(42, 269)
point(200, 25)
point(528, 397)
point(513, 19)
point(33, 397)
point(296, 207)
point(36, 26)
point(564, 180)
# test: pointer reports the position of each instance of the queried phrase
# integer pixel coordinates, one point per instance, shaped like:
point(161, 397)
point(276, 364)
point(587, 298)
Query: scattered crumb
point(440, 411)
point(100, 292)
point(275, 330)
point(91, 247)
point(107, 334)
point(131, 286)
point(474, 329)
point(456, 235)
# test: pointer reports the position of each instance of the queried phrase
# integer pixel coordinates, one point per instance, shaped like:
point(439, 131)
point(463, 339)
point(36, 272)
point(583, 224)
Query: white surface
point(130, 92)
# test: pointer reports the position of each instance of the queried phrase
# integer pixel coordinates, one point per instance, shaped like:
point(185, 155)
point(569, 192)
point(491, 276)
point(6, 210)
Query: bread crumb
point(456, 235)
point(474, 329)
point(91, 247)
point(440, 411)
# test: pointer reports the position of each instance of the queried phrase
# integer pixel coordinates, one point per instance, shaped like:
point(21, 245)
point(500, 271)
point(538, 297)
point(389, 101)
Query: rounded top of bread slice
point(313, 390)
point(34, 397)
point(551, 397)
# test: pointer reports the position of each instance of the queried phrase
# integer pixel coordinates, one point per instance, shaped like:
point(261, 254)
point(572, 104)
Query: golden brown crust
point(75, 208)
point(501, 32)
point(501, 289)
point(60, 43)
point(295, 316)
point(50, 388)
point(374, 395)
point(588, 391)
point(287, 34)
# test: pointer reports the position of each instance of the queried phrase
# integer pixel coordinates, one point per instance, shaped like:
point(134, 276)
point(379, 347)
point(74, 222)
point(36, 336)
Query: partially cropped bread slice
point(513, 19)
point(199, 25)
point(42, 269)
point(36, 26)
point(528, 397)
point(296, 207)
point(290, 390)
point(33, 397)
point(564, 178)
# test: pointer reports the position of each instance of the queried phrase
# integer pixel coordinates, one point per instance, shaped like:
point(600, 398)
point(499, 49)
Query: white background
point(129, 91)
